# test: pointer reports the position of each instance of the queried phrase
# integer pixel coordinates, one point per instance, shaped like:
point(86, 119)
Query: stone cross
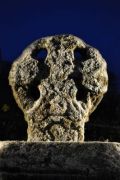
point(59, 91)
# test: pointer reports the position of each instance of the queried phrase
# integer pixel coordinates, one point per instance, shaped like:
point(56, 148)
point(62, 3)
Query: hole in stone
point(81, 91)
point(33, 92)
point(77, 53)
point(40, 54)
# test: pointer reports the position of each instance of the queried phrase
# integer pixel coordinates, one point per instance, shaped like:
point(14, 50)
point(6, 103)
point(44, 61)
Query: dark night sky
point(96, 22)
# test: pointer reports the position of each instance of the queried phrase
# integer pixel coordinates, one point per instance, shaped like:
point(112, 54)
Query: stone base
point(58, 160)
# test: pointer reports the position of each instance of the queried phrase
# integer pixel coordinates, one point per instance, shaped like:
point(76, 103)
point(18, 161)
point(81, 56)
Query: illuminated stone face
point(58, 90)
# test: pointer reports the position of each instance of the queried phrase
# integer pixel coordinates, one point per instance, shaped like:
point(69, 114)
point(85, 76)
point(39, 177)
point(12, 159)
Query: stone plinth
point(51, 160)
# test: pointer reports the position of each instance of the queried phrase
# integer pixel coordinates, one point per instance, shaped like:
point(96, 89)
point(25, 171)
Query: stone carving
point(57, 93)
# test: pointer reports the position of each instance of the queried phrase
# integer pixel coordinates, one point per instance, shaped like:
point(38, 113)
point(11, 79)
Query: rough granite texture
point(59, 92)
point(86, 160)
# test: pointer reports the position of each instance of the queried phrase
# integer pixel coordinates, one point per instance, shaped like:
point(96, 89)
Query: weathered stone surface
point(86, 160)
point(57, 95)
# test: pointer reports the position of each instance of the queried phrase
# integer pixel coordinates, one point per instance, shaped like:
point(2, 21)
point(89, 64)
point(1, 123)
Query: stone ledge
point(38, 159)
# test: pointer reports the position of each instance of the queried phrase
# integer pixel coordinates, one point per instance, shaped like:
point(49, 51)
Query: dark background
point(97, 22)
